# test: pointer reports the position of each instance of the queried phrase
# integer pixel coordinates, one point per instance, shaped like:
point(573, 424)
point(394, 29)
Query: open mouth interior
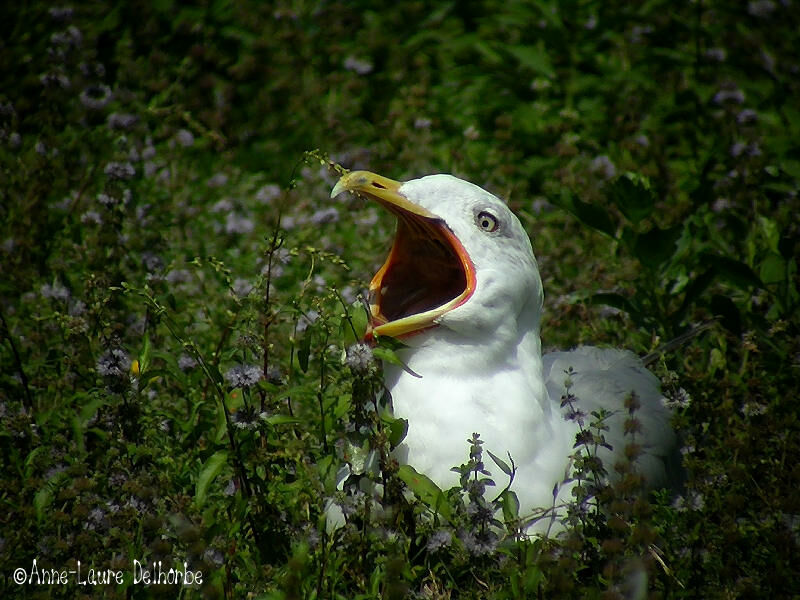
point(423, 271)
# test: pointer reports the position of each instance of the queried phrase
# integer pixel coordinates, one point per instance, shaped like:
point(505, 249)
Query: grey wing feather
point(602, 378)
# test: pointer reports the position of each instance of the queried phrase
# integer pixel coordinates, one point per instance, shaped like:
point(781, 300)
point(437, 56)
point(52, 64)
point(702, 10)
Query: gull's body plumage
point(478, 367)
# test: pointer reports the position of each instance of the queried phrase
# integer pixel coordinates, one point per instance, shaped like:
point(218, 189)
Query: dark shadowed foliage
point(181, 309)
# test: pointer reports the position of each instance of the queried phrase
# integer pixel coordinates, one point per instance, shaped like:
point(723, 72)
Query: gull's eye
point(487, 221)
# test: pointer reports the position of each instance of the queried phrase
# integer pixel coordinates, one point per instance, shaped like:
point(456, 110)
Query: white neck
point(474, 385)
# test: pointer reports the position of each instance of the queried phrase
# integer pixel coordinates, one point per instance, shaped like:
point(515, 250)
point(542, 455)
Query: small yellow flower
point(135, 367)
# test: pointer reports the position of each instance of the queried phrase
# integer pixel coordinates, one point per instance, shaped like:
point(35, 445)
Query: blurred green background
point(173, 278)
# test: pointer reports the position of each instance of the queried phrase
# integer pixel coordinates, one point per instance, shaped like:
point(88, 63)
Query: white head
point(461, 260)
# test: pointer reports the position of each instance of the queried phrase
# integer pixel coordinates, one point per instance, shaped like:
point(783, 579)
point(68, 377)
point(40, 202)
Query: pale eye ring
point(487, 221)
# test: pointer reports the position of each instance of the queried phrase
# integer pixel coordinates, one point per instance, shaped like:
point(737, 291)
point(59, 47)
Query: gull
point(461, 289)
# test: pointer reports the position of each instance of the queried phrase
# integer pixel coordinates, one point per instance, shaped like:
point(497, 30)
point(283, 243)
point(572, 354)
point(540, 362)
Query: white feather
point(482, 369)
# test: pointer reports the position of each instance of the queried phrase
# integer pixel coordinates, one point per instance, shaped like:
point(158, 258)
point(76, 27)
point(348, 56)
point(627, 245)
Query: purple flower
point(440, 539)
point(223, 205)
point(639, 32)
point(359, 358)
point(55, 80)
point(91, 216)
point(243, 376)
point(178, 276)
point(96, 97)
point(61, 13)
point(235, 223)
point(679, 398)
point(306, 319)
point(114, 363)
point(244, 418)
point(268, 193)
point(326, 215)
point(603, 165)
point(217, 180)
point(358, 65)
point(152, 262)
point(55, 291)
point(214, 556)
point(753, 409)
point(734, 95)
point(72, 37)
point(471, 133)
point(761, 8)
point(242, 287)
point(738, 148)
point(186, 363)
point(14, 140)
point(121, 121)
point(185, 138)
point(119, 170)
point(719, 205)
point(747, 115)
point(479, 543)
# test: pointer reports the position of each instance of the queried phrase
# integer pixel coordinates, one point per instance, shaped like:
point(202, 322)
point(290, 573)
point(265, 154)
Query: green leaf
point(44, 497)
point(208, 473)
point(163, 6)
point(500, 463)
point(304, 351)
point(389, 356)
point(41, 500)
point(341, 406)
point(222, 424)
point(631, 193)
point(593, 216)
point(791, 167)
point(717, 360)
point(426, 490)
point(362, 459)
point(398, 428)
point(216, 376)
point(282, 420)
point(656, 247)
point(735, 272)
point(725, 308)
point(354, 328)
point(89, 409)
point(693, 290)
point(391, 343)
point(29, 467)
point(697, 286)
point(772, 269)
point(617, 301)
point(510, 503)
point(769, 229)
point(80, 420)
point(144, 355)
point(151, 374)
point(534, 58)
point(328, 469)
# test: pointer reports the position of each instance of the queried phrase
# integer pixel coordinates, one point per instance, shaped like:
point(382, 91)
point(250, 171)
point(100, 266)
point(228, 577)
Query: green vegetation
point(179, 295)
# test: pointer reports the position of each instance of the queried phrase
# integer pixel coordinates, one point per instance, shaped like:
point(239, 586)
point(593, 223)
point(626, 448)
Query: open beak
point(427, 272)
